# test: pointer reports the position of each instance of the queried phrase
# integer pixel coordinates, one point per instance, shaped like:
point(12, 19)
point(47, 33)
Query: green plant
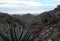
point(27, 33)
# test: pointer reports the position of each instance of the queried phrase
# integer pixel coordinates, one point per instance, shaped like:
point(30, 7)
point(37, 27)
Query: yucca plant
point(27, 33)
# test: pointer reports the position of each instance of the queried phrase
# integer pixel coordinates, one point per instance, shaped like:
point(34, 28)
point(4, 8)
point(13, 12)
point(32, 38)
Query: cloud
point(25, 6)
point(15, 3)
point(26, 3)
point(32, 9)
point(2, 3)
point(25, 12)
point(50, 1)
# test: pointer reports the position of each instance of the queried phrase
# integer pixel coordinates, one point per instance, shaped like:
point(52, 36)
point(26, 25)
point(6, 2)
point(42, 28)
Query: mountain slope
point(49, 25)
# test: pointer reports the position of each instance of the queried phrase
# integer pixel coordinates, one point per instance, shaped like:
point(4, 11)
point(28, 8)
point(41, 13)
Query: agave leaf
point(4, 37)
point(24, 34)
point(11, 34)
point(15, 35)
point(29, 33)
point(35, 36)
point(21, 33)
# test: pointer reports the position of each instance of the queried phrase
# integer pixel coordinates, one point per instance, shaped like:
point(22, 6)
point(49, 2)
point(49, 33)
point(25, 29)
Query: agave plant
point(27, 33)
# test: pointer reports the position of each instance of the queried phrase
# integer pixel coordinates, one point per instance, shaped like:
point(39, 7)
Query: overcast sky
point(27, 6)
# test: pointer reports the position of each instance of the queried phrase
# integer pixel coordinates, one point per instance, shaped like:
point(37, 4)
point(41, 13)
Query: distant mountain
point(17, 16)
point(26, 17)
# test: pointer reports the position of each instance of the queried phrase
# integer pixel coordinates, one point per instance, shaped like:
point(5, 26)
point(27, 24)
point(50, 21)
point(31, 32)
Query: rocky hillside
point(49, 25)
